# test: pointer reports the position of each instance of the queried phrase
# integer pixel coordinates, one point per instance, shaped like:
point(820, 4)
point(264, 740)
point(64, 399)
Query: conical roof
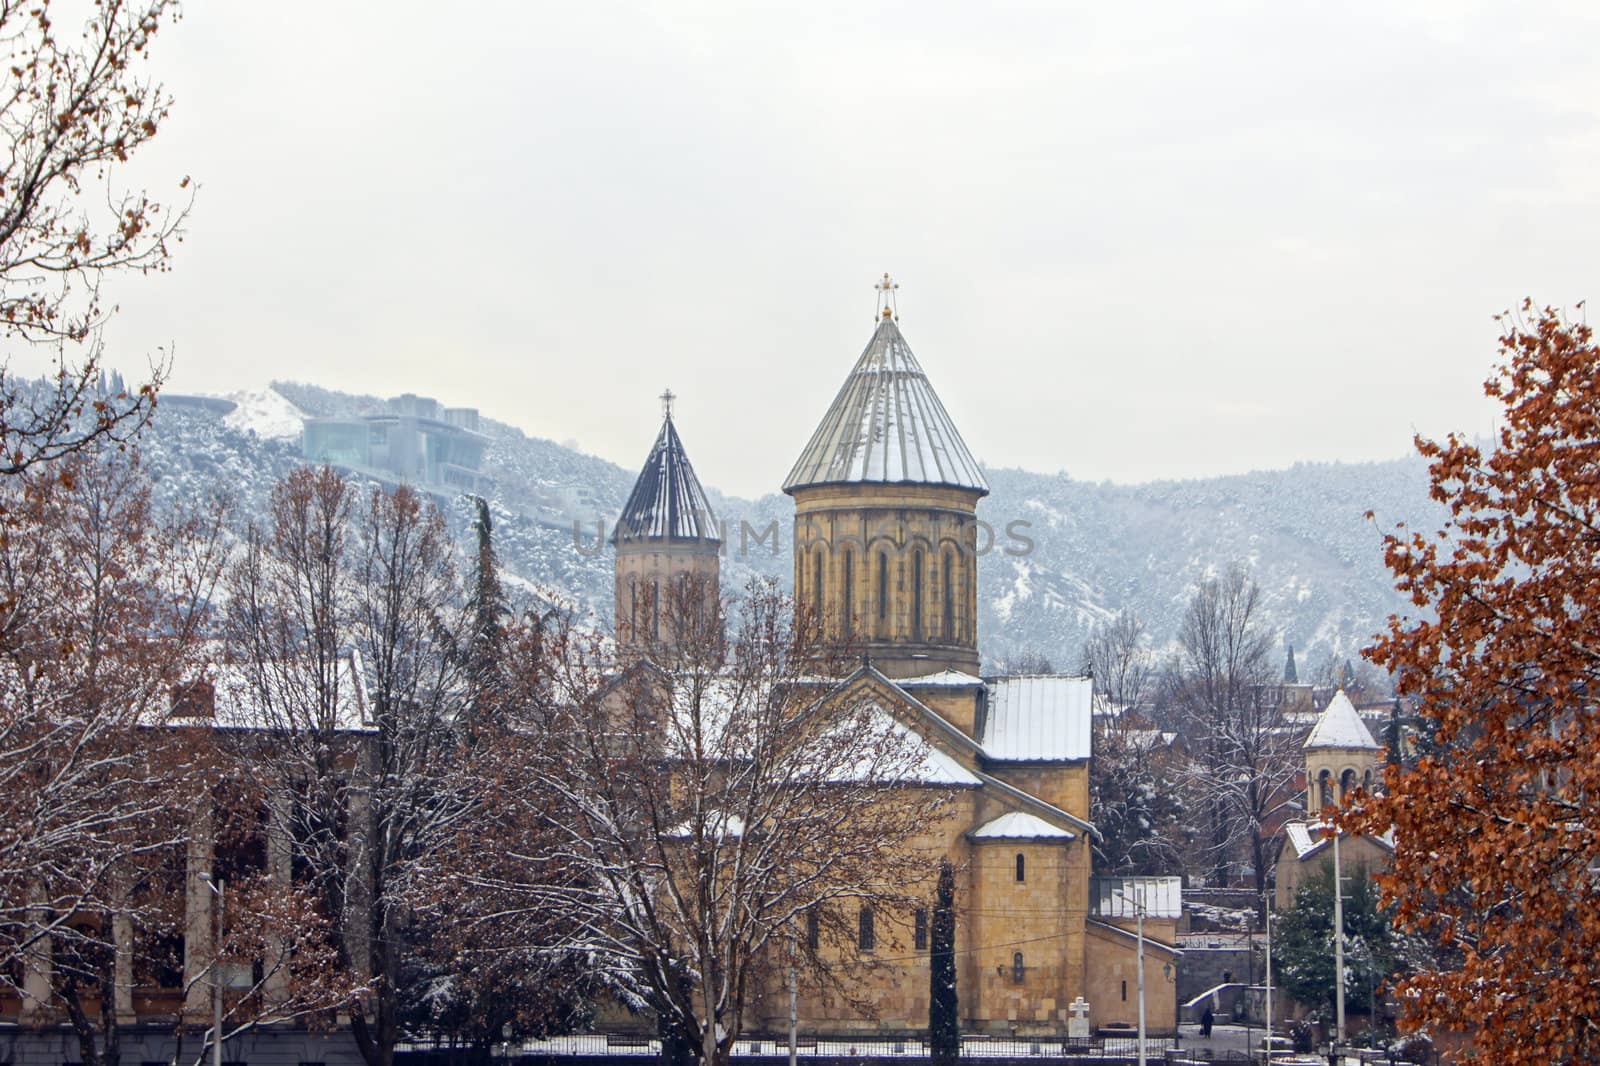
point(667, 502)
point(1341, 727)
point(886, 425)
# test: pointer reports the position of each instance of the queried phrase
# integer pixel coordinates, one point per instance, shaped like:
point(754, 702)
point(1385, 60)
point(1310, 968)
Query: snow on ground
point(266, 413)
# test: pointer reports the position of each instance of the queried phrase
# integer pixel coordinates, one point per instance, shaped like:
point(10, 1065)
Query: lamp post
point(1138, 911)
point(218, 886)
point(1338, 943)
point(1269, 981)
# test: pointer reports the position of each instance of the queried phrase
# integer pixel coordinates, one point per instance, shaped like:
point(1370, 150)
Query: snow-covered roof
point(1038, 718)
point(244, 696)
point(719, 824)
point(667, 502)
point(1120, 897)
point(944, 678)
point(911, 759)
point(886, 425)
point(1302, 839)
point(1341, 727)
point(1015, 825)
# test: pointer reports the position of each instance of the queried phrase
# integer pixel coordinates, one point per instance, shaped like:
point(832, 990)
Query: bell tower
point(1341, 755)
point(667, 541)
point(886, 496)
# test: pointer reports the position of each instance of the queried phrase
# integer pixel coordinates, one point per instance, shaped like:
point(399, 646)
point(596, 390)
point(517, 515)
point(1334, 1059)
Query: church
point(886, 557)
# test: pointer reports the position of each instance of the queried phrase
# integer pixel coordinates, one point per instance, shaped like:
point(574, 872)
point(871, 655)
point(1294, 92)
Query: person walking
point(1206, 1021)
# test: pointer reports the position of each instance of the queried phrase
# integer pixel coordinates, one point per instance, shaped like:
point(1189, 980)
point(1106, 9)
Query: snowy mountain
point(1064, 553)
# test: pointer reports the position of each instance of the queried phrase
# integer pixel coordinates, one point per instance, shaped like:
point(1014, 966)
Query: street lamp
point(217, 885)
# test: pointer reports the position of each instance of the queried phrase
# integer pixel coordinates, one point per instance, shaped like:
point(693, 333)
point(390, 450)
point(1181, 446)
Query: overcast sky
point(1134, 241)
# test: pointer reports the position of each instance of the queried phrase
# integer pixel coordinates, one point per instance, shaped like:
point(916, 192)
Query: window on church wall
point(1366, 781)
point(949, 597)
point(1017, 969)
point(883, 586)
point(867, 936)
point(816, 580)
point(847, 605)
point(1125, 984)
point(1022, 867)
point(919, 929)
point(1347, 784)
point(813, 928)
point(655, 610)
point(916, 595)
point(1324, 790)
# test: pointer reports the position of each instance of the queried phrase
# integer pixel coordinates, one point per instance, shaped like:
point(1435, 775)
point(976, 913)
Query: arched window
point(916, 595)
point(847, 597)
point(655, 610)
point(919, 929)
point(868, 935)
point(1016, 967)
point(949, 597)
point(813, 927)
point(1347, 784)
point(883, 586)
point(1022, 867)
point(1324, 790)
point(816, 581)
point(1366, 782)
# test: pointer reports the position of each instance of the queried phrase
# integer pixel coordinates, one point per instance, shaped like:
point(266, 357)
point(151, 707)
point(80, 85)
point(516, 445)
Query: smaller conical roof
point(887, 426)
point(667, 502)
point(1341, 727)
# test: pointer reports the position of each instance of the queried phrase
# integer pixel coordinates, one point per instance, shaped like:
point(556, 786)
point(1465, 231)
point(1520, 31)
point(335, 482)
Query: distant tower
point(667, 541)
point(886, 496)
point(1340, 755)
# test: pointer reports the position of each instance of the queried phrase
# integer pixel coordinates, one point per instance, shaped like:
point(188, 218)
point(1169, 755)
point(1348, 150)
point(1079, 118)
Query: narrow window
point(847, 596)
point(1022, 867)
point(1325, 790)
point(868, 936)
point(949, 597)
point(883, 585)
point(1125, 984)
point(1347, 784)
point(916, 595)
point(655, 610)
point(813, 928)
point(919, 929)
point(1366, 782)
point(816, 581)
point(1017, 968)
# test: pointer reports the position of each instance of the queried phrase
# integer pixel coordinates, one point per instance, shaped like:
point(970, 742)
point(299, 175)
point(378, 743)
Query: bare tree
point(364, 765)
point(703, 812)
point(1131, 781)
point(75, 106)
point(1243, 753)
point(101, 605)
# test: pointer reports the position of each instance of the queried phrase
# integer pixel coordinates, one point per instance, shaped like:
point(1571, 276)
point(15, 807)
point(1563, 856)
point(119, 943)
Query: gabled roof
point(667, 502)
point(1015, 825)
point(922, 764)
point(886, 425)
point(1309, 838)
point(1341, 727)
point(1038, 718)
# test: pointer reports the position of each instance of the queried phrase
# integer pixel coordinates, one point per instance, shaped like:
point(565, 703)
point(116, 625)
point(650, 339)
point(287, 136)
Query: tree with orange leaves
point(1497, 825)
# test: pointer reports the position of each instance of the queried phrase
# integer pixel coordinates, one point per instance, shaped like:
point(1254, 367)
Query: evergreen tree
point(944, 1025)
point(1302, 943)
point(487, 605)
point(1291, 676)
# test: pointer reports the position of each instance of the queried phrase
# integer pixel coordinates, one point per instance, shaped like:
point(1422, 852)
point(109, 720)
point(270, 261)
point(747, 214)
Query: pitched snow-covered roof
point(1341, 727)
point(1015, 825)
point(1120, 897)
point(1038, 718)
point(910, 758)
point(667, 502)
point(886, 425)
point(944, 678)
point(272, 697)
point(1302, 839)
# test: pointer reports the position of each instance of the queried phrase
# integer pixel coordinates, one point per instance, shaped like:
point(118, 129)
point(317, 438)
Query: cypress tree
point(488, 607)
point(1291, 676)
point(944, 1025)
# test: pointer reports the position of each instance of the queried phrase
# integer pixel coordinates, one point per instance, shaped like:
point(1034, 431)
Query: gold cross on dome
point(666, 402)
point(886, 301)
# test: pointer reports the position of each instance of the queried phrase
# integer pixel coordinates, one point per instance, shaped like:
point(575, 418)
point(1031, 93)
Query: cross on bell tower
point(667, 396)
point(887, 307)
